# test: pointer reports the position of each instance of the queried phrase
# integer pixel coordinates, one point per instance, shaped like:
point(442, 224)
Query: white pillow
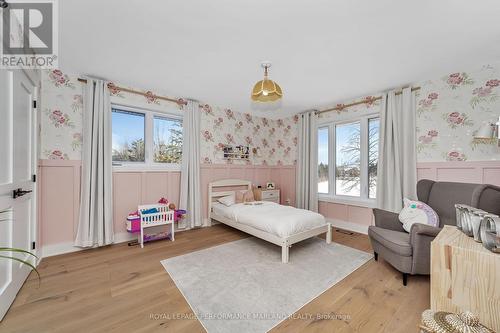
point(227, 201)
point(417, 212)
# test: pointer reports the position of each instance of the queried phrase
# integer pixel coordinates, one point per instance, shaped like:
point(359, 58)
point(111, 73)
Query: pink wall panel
point(464, 172)
point(173, 188)
point(58, 204)
point(127, 195)
point(426, 173)
point(156, 186)
point(466, 175)
point(360, 215)
point(334, 210)
point(285, 180)
point(492, 176)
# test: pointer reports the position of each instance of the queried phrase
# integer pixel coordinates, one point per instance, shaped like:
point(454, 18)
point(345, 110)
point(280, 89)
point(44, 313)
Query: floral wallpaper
point(372, 105)
point(275, 139)
point(61, 116)
point(62, 107)
point(450, 109)
point(61, 124)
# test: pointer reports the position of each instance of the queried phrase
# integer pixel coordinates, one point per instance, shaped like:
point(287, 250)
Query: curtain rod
point(341, 107)
point(178, 101)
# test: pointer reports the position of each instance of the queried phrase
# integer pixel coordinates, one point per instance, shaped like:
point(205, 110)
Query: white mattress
point(282, 221)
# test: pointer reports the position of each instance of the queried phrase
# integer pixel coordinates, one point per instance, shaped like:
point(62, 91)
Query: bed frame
point(285, 242)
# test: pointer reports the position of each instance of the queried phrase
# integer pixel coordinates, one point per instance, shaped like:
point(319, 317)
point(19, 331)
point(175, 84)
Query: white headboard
point(214, 195)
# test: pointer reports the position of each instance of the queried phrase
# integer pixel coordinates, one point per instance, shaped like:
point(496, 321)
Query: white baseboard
point(67, 247)
point(359, 228)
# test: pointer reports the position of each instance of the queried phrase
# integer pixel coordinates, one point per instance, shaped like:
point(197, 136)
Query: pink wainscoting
point(59, 188)
point(131, 189)
point(349, 214)
point(484, 172)
point(60, 197)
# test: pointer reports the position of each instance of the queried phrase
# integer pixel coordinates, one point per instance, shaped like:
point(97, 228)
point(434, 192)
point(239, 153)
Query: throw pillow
point(417, 212)
point(244, 196)
point(227, 201)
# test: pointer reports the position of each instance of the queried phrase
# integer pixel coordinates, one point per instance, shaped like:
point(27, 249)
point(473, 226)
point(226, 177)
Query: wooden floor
point(126, 289)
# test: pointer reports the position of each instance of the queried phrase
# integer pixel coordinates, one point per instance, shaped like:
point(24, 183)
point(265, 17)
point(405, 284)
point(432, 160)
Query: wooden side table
point(465, 277)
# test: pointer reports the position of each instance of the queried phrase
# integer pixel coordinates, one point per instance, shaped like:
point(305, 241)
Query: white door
point(17, 167)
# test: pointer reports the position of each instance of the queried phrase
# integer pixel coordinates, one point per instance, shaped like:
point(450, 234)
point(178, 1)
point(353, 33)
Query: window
point(167, 140)
point(323, 170)
point(348, 159)
point(128, 136)
point(373, 128)
point(145, 138)
point(351, 147)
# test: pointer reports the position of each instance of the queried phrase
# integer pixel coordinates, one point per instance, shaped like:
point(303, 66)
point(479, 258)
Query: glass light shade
point(266, 91)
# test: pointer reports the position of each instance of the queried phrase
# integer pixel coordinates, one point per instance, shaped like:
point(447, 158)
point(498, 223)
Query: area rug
point(242, 286)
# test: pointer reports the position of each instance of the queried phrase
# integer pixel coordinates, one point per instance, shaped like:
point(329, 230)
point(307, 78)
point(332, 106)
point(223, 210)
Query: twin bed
point(277, 224)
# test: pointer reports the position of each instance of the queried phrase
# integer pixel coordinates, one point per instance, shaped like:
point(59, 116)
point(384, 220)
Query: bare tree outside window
point(373, 138)
point(348, 170)
point(348, 159)
point(323, 155)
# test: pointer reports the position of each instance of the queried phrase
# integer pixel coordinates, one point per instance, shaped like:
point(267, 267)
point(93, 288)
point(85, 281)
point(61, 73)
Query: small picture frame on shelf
point(270, 186)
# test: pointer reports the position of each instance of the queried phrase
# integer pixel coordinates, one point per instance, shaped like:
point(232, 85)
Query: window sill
point(344, 200)
point(146, 168)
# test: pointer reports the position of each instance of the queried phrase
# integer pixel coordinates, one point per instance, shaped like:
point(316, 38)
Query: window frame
point(149, 164)
point(363, 200)
point(329, 159)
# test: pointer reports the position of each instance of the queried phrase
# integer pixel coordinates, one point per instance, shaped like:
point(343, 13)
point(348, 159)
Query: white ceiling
point(322, 51)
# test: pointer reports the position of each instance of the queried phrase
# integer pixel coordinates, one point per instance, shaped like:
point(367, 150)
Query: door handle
point(19, 193)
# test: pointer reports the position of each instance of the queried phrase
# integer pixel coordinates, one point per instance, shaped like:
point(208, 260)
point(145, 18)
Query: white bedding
point(282, 221)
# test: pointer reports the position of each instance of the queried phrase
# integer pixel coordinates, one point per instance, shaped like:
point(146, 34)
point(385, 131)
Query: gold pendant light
point(266, 91)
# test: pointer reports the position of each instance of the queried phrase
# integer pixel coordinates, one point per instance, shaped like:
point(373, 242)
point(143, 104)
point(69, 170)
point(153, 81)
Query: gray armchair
point(410, 252)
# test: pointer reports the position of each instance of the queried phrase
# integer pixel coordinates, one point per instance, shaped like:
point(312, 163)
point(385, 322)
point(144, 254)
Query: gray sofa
point(410, 252)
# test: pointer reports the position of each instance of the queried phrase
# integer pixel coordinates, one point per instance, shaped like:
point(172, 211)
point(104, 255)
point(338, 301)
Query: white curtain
point(307, 163)
point(190, 196)
point(397, 166)
point(95, 227)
